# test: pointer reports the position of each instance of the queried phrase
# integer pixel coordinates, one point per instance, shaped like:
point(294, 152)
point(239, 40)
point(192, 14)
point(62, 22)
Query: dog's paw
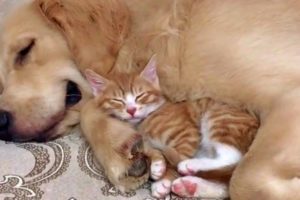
point(161, 189)
point(196, 187)
point(132, 147)
point(158, 169)
point(188, 167)
point(130, 183)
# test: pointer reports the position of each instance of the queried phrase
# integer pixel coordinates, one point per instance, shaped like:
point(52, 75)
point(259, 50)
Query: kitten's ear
point(97, 82)
point(149, 73)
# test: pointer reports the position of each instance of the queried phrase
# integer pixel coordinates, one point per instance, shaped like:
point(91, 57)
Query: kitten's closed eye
point(113, 104)
point(117, 101)
point(141, 96)
point(147, 97)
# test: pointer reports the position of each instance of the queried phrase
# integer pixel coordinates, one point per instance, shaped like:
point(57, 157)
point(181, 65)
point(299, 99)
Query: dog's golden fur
point(240, 52)
point(34, 89)
point(100, 25)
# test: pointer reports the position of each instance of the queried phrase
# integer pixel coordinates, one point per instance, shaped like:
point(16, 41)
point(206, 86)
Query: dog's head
point(42, 89)
point(44, 46)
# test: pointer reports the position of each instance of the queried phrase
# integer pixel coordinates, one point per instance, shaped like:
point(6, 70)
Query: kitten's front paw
point(188, 167)
point(158, 169)
point(161, 189)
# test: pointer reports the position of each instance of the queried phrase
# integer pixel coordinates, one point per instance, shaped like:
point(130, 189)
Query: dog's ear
point(94, 29)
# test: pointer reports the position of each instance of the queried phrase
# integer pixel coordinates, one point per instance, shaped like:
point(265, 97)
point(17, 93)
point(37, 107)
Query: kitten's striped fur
point(203, 129)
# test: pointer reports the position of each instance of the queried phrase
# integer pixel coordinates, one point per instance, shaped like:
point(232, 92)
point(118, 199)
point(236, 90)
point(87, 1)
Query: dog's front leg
point(117, 146)
point(271, 168)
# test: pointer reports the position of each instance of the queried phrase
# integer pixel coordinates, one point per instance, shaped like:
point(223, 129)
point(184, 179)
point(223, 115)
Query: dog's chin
point(50, 133)
point(59, 125)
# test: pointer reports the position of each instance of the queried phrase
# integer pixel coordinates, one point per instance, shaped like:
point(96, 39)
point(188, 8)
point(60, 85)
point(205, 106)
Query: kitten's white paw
point(188, 167)
point(161, 189)
point(158, 169)
point(191, 186)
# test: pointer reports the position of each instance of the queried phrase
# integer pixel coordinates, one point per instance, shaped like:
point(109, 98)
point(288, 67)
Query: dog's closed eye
point(22, 55)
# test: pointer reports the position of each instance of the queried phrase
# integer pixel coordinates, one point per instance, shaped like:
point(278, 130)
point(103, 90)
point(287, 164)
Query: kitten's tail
point(222, 174)
point(172, 156)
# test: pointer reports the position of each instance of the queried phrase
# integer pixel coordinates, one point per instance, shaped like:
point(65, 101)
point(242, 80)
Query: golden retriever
point(242, 52)
point(43, 91)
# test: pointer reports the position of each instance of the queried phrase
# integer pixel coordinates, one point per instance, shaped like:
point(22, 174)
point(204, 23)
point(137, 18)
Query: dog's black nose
point(4, 120)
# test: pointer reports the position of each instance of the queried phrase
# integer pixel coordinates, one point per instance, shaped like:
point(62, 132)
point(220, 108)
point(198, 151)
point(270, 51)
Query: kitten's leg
point(183, 147)
point(226, 155)
point(162, 188)
point(191, 186)
point(158, 163)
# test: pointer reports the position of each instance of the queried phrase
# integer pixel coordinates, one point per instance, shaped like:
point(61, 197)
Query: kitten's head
point(128, 97)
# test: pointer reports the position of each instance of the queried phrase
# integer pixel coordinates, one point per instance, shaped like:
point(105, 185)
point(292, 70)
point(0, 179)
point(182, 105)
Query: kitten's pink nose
point(131, 111)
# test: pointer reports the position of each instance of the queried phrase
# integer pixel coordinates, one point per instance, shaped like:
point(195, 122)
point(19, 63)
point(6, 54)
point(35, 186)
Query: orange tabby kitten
point(215, 135)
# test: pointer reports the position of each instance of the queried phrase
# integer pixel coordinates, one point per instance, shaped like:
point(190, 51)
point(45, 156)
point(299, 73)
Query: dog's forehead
point(8, 9)
point(8, 6)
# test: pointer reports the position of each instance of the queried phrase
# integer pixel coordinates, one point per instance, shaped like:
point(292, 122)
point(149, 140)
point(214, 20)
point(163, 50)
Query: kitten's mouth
point(135, 120)
point(132, 118)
